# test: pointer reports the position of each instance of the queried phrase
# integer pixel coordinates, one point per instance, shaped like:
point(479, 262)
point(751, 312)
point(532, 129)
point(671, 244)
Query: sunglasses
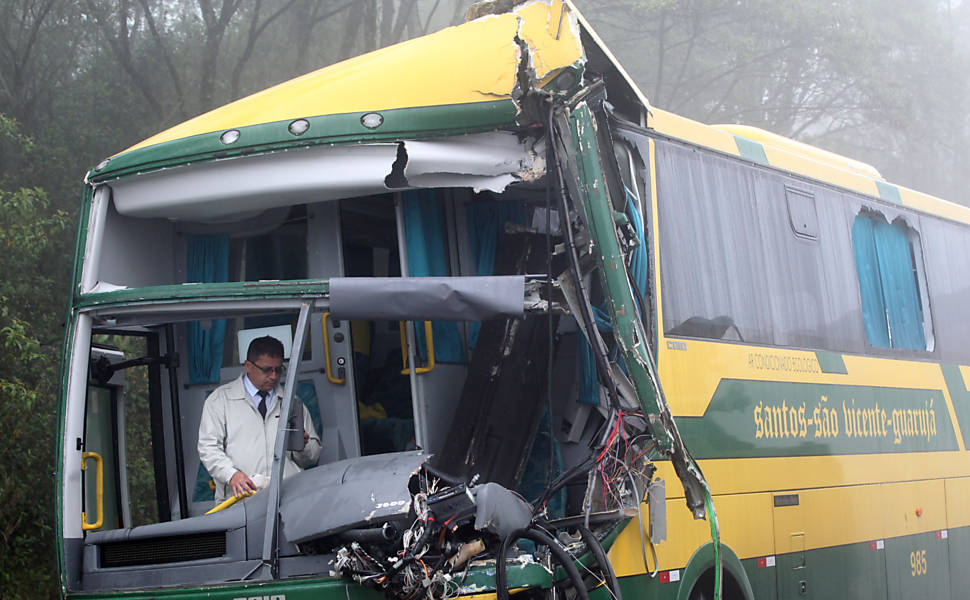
point(267, 370)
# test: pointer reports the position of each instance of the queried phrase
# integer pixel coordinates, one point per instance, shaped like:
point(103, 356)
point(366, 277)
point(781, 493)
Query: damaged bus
point(523, 309)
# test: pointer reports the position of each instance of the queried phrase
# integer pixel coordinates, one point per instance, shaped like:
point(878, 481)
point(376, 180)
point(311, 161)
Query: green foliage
point(31, 295)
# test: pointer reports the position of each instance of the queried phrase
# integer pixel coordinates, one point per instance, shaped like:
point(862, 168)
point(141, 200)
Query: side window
point(749, 255)
point(891, 286)
point(801, 213)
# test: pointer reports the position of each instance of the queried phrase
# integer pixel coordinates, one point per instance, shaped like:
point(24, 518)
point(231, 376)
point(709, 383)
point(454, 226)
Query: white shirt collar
point(252, 390)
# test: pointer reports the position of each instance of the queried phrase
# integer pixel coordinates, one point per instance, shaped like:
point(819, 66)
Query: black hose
point(594, 546)
point(449, 479)
point(553, 487)
point(539, 537)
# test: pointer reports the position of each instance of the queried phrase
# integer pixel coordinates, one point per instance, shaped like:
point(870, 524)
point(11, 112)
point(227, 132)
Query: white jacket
point(233, 437)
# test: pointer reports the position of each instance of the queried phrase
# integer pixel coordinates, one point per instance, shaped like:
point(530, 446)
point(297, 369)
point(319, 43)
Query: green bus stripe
point(831, 362)
point(207, 292)
point(889, 192)
point(856, 571)
point(960, 398)
point(425, 121)
point(747, 419)
point(751, 150)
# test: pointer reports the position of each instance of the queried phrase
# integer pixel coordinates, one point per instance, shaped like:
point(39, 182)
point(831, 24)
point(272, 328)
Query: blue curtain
point(870, 287)
point(208, 262)
point(424, 229)
point(586, 361)
point(899, 286)
point(891, 310)
point(486, 224)
point(638, 258)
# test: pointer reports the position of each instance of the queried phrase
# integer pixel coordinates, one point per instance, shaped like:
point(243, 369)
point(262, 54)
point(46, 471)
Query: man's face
point(265, 371)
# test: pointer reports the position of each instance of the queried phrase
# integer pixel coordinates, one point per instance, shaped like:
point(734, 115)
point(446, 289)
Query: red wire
point(609, 440)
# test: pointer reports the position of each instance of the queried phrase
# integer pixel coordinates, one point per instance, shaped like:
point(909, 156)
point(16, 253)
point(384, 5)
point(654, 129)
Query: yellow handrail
point(227, 503)
point(85, 526)
point(326, 353)
point(429, 342)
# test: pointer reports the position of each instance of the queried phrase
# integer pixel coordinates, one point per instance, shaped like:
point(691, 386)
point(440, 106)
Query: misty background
point(882, 81)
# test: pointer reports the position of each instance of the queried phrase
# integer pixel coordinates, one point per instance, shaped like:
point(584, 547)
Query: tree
point(29, 346)
point(864, 78)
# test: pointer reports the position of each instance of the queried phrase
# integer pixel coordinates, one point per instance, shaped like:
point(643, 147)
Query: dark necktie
point(262, 403)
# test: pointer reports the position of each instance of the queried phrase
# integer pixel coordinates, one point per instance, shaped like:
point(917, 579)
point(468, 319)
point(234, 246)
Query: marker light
point(102, 164)
point(299, 127)
point(372, 120)
point(229, 137)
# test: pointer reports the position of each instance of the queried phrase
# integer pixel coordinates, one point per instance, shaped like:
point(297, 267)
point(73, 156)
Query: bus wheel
point(704, 587)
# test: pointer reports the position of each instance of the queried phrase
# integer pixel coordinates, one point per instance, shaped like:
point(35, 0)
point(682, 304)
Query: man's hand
point(241, 484)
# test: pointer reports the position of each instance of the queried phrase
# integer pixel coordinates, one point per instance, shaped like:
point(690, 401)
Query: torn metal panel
point(628, 330)
point(486, 161)
point(239, 189)
point(236, 189)
point(359, 492)
point(552, 34)
point(427, 298)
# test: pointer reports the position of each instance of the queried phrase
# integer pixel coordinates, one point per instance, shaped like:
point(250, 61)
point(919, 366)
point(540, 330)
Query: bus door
point(103, 458)
point(124, 435)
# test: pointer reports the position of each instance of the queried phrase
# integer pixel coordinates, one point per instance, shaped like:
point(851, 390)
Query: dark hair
point(264, 346)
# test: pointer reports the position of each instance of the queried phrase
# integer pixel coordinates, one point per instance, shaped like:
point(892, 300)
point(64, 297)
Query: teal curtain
point(586, 361)
point(638, 257)
point(899, 285)
point(208, 262)
point(870, 288)
point(486, 224)
point(891, 309)
point(424, 227)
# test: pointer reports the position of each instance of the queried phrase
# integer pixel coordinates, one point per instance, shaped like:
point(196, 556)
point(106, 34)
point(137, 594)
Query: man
point(237, 433)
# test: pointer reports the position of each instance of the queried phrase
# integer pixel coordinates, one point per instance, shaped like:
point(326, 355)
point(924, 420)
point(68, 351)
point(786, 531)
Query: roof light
point(372, 120)
point(102, 164)
point(229, 137)
point(299, 127)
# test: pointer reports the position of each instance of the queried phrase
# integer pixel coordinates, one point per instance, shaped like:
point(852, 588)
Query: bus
point(554, 340)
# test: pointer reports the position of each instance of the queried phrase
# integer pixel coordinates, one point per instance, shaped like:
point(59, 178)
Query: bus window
point(894, 308)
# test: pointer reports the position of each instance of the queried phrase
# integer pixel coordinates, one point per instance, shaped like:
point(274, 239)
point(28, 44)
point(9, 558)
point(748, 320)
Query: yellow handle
point(85, 526)
point(326, 353)
point(428, 341)
point(227, 503)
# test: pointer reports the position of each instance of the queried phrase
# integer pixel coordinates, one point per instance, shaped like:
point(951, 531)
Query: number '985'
point(917, 562)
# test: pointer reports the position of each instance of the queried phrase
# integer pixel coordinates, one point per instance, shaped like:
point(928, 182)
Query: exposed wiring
point(538, 536)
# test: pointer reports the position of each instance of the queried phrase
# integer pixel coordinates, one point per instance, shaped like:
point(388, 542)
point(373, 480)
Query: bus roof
point(425, 72)
point(464, 79)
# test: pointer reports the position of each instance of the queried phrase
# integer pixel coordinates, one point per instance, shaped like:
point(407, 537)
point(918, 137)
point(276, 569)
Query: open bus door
point(126, 474)
point(105, 493)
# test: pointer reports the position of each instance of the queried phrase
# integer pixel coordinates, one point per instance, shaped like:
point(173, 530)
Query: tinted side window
point(947, 262)
point(749, 254)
